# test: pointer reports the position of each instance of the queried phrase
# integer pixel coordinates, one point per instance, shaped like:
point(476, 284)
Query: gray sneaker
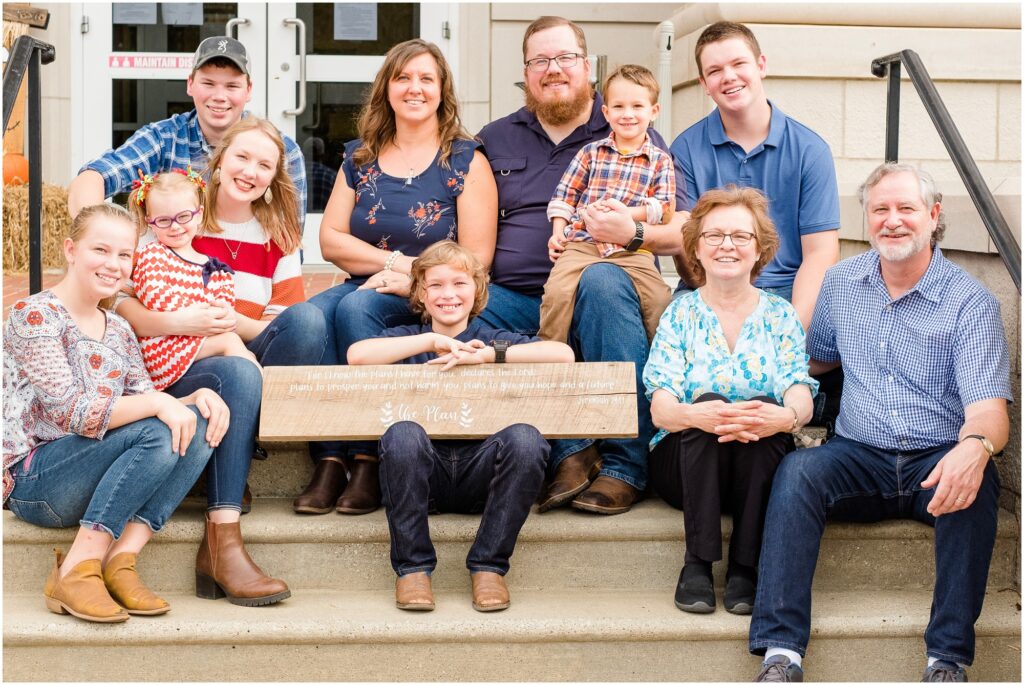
point(779, 669)
point(944, 672)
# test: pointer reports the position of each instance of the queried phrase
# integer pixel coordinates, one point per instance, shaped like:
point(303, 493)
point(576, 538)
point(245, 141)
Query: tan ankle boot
point(128, 590)
point(489, 591)
point(81, 593)
point(224, 568)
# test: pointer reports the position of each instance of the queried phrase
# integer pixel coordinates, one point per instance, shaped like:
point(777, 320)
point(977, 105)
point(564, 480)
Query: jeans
point(499, 476)
point(353, 315)
point(850, 481)
point(240, 385)
point(295, 337)
point(606, 327)
point(130, 475)
point(705, 478)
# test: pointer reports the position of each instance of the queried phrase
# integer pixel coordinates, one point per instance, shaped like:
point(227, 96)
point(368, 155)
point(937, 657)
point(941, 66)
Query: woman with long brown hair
point(414, 177)
point(251, 224)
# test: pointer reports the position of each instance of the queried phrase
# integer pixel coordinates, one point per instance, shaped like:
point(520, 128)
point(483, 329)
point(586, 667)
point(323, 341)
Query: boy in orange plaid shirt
point(625, 166)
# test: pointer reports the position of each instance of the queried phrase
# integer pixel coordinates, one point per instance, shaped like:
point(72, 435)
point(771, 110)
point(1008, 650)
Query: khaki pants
point(559, 300)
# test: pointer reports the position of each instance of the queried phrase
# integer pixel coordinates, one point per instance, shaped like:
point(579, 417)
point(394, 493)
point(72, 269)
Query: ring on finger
point(961, 500)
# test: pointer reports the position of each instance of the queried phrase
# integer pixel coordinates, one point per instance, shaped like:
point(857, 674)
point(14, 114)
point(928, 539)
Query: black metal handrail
point(27, 54)
point(984, 201)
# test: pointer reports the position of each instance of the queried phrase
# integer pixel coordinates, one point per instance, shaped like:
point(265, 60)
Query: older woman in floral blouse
point(728, 381)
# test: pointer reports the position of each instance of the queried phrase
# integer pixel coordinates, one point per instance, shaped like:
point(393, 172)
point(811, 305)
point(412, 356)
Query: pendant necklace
point(238, 247)
point(234, 252)
point(408, 179)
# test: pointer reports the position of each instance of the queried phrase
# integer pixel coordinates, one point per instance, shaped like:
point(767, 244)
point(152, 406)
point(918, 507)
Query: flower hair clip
point(192, 175)
point(142, 184)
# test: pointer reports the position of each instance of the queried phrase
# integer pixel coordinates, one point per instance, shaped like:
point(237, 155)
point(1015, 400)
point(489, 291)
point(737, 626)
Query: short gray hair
point(929, 194)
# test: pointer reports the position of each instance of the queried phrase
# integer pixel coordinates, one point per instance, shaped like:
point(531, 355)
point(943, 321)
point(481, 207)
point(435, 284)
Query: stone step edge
point(273, 521)
point(370, 617)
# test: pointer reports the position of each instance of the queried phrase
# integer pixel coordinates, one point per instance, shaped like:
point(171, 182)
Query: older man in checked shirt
point(923, 412)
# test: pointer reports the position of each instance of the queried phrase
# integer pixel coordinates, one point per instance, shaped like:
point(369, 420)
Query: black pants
point(692, 471)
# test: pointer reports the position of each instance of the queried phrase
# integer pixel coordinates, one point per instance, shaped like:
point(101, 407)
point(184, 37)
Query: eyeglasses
point(738, 239)
point(539, 65)
point(181, 218)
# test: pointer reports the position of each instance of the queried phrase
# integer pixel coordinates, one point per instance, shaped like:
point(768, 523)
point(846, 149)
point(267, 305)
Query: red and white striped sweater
point(166, 282)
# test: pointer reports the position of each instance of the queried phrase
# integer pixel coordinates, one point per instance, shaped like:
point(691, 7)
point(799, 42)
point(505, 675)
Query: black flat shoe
point(695, 591)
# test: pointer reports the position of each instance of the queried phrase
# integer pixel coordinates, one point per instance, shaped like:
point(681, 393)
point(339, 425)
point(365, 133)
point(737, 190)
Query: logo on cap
point(222, 46)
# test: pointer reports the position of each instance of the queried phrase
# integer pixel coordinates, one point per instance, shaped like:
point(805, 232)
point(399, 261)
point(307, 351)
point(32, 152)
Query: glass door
point(311, 64)
point(321, 59)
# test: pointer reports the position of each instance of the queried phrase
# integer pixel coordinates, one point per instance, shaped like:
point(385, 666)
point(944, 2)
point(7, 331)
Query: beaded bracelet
point(390, 261)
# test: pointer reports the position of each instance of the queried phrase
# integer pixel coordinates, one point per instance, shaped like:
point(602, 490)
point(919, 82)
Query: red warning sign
point(150, 61)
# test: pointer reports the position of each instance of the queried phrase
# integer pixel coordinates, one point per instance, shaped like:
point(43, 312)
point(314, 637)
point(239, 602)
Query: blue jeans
point(850, 481)
point(240, 385)
point(353, 315)
point(295, 337)
point(499, 476)
point(606, 327)
point(130, 475)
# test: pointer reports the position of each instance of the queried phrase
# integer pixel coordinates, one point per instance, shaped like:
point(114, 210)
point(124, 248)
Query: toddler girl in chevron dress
point(170, 274)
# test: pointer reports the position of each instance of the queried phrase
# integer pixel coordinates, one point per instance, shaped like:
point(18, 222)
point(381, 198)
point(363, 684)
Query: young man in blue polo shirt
point(749, 141)
point(220, 84)
point(529, 150)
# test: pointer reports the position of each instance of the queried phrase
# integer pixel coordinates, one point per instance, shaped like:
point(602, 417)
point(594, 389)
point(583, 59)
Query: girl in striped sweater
point(251, 223)
point(170, 273)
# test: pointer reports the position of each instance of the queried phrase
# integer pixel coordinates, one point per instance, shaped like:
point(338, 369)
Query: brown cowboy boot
point(573, 476)
point(224, 568)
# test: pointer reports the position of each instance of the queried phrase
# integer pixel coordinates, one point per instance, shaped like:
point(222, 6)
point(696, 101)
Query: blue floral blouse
point(690, 357)
point(393, 215)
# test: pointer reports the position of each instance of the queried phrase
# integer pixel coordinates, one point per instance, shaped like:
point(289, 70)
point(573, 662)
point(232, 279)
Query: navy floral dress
point(392, 214)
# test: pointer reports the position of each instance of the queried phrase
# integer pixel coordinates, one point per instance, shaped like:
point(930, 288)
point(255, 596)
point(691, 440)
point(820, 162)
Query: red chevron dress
point(166, 282)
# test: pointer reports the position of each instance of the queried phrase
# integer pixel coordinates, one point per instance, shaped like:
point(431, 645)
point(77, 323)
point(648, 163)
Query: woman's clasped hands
point(389, 282)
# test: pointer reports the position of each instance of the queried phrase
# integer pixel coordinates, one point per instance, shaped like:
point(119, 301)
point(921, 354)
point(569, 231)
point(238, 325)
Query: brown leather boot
point(81, 593)
point(573, 476)
point(489, 591)
point(607, 495)
point(413, 592)
point(363, 492)
point(128, 590)
point(224, 568)
point(324, 487)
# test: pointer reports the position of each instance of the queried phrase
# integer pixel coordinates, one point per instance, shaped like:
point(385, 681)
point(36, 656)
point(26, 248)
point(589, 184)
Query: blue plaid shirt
point(176, 143)
point(912, 364)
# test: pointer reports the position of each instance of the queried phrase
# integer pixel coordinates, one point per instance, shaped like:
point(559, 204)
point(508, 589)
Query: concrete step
point(563, 549)
point(545, 635)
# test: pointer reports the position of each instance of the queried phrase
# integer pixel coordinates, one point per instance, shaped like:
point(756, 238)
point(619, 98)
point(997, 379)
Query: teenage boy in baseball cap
point(220, 85)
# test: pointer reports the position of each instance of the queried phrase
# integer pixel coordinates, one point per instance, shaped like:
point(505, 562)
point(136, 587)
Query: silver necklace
point(234, 252)
point(412, 172)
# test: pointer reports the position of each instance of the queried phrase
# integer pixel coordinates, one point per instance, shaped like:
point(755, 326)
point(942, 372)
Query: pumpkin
point(15, 168)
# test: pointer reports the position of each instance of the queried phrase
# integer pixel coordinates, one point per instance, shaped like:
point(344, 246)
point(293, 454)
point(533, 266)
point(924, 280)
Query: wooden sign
point(467, 402)
point(22, 13)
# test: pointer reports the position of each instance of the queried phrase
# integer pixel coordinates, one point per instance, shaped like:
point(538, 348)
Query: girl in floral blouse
point(728, 380)
point(414, 177)
point(87, 439)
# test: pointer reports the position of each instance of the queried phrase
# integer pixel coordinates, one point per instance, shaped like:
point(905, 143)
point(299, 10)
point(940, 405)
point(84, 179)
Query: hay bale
point(56, 222)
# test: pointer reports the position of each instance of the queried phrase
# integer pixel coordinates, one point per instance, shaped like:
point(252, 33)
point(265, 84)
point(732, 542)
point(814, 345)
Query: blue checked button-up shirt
point(912, 364)
point(176, 143)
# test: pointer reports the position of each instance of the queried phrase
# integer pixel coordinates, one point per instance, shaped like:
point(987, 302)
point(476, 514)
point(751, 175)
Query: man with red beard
point(529, 150)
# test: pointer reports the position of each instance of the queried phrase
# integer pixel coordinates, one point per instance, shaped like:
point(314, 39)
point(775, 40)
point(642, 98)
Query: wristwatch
point(500, 348)
point(985, 442)
point(638, 239)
